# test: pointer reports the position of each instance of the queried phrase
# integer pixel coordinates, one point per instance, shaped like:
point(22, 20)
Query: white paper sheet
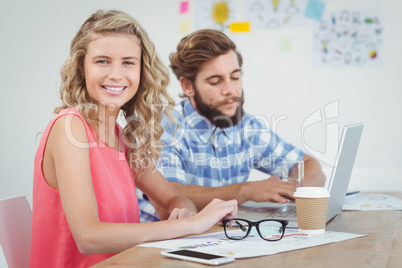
point(268, 14)
point(252, 246)
point(373, 202)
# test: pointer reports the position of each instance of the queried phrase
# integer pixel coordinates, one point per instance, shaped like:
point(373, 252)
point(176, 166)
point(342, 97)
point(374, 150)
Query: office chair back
point(15, 231)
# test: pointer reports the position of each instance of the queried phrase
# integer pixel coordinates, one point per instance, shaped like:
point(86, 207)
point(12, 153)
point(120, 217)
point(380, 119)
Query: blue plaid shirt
point(200, 153)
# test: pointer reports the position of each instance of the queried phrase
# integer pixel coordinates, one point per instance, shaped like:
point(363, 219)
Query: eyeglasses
point(269, 229)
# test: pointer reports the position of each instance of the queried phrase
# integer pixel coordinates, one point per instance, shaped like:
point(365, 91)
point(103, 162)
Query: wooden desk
point(382, 247)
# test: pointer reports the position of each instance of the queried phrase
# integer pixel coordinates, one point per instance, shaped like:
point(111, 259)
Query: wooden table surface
point(382, 247)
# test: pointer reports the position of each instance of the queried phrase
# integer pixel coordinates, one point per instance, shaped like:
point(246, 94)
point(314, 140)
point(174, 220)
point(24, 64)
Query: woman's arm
point(72, 171)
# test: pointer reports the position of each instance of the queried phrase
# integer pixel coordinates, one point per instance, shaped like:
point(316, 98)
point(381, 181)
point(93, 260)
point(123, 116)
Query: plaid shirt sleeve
point(173, 157)
point(147, 211)
point(268, 147)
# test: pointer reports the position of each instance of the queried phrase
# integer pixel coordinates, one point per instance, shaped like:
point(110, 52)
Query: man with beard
point(213, 145)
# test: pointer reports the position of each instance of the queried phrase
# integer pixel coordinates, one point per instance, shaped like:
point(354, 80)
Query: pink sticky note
point(184, 7)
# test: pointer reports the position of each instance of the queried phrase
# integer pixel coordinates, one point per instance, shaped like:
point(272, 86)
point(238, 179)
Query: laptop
point(337, 185)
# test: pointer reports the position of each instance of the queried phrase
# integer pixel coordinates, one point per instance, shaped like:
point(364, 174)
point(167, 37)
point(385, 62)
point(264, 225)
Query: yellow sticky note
point(185, 26)
point(239, 27)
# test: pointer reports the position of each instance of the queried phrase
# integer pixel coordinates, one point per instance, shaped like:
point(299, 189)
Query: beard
point(215, 116)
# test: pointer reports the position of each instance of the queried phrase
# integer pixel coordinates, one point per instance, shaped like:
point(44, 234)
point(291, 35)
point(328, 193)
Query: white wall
point(35, 41)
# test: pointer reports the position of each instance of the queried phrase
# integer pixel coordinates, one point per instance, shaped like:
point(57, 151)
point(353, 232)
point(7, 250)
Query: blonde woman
point(86, 168)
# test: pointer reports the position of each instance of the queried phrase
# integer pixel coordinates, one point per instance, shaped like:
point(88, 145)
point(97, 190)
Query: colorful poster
point(349, 38)
point(272, 14)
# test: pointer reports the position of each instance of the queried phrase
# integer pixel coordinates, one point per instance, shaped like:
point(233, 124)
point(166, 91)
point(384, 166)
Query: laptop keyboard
point(285, 212)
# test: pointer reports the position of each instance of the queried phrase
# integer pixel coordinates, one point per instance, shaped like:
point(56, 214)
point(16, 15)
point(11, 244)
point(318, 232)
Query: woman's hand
point(213, 213)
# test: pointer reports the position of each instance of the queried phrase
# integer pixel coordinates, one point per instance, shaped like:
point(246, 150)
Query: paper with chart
point(373, 202)
point(253, 245)
point(349, 38)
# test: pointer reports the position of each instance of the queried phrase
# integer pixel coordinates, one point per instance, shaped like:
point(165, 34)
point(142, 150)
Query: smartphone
point(196, 256)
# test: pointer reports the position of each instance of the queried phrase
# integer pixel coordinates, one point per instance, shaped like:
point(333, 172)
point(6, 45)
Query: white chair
point(15, 231)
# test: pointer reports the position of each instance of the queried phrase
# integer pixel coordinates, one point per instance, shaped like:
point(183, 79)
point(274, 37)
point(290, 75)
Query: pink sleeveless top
point(52, 243)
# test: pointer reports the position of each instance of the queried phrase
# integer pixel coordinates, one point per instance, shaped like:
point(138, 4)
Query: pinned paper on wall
point(272, 14)
point(239, 27)
point(349, 38)
point(286, 44)
point(315, 9)
point(185, 23)
point(184, 7)
point(185, 26)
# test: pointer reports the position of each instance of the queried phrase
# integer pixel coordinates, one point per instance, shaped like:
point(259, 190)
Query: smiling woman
point(95, 32)
point(85, 207)
point(113, 69)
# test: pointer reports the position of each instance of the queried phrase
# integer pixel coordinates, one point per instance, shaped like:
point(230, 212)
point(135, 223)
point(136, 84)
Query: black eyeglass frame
point(256, 224)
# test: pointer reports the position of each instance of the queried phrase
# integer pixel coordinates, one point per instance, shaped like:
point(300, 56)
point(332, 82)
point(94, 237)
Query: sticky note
point(185, 26)
point(184, 7)
point(314, 9)
point(286, 44)
point(239, 27)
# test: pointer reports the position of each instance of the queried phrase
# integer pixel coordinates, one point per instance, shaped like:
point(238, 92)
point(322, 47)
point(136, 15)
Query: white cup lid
point(311, 192)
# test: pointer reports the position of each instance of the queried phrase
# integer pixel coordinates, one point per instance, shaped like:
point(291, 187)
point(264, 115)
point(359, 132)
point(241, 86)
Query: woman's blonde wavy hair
point(144, 111)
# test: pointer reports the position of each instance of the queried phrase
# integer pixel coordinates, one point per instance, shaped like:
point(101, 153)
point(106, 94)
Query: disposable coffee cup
point(311, 207)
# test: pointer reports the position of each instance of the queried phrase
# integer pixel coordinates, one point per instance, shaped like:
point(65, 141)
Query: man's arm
point(313, 175)
point(272, 189)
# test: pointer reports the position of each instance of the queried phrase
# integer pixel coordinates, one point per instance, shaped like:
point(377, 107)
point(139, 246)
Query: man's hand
point(272, 189)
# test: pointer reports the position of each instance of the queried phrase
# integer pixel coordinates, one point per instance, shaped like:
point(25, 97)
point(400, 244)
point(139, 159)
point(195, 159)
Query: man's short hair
point(198, 48)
